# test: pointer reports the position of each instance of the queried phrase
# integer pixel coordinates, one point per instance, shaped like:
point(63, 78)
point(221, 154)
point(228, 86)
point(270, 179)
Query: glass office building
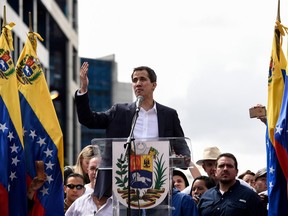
point(57, 22)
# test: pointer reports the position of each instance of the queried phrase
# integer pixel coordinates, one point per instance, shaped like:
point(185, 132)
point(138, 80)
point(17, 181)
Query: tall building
point(57, 22)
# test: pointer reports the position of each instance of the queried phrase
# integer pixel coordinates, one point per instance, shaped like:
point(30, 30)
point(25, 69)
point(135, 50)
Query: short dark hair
point(151, 73)
point(75, 175)
point(229, 155)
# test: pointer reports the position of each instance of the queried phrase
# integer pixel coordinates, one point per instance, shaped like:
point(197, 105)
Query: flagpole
point(4, 17)
point(30, 36)
point(30, 22)
point(278, 12)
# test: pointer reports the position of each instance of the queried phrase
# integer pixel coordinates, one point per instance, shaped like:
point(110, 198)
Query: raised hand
point(84, 78)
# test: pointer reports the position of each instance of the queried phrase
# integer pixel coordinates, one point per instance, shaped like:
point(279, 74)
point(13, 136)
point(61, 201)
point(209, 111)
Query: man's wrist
point(82, 90)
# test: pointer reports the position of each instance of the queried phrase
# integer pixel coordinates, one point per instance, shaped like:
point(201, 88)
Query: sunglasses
point(72, 186)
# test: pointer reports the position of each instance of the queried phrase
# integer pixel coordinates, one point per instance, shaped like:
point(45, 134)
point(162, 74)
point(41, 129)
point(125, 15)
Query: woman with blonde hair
point(82, 162)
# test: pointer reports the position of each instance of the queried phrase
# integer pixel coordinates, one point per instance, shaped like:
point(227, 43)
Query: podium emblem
point(149, 174)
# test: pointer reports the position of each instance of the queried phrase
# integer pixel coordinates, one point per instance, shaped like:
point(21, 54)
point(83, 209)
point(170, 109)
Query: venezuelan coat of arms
point(149, 173)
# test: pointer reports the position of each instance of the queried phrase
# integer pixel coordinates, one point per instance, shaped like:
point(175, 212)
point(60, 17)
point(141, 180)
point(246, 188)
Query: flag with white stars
point(276, 136)
point(43, 139)
point(13, 199)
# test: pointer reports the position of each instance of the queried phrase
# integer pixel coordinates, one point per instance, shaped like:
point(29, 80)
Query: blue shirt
point(238, 200)
point(184, 204)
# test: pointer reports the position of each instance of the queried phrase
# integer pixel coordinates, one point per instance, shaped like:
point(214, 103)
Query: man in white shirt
point(89, 205)
point(154, 120)
point(92, 173)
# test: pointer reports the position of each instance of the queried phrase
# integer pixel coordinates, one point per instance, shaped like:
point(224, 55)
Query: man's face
point(74, 188)
point(226, 171)
point(93, 168)
point(209, 167)
point(142, 84)
point(261, 184)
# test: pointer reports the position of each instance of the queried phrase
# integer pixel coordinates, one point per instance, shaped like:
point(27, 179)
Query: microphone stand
point(128, 152)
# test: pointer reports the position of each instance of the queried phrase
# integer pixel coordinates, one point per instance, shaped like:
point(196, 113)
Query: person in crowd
point(90, 204)
point(229, 197)
point(82, 162)
point(183, 204)
point(199, 186)
point(260, 179)
point(92, 172)
point(248, 176)
point(260, 185)
point(180, 180)
point(159, 120)
point(36, 183)
point(73, 188)
point(208, 161)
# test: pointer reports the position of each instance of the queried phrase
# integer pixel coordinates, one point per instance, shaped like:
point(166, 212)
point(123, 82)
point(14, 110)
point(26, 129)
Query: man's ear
point(154, 85)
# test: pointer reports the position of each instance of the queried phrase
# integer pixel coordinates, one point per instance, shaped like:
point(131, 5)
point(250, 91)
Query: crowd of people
point(88, 187)
point(221, 191)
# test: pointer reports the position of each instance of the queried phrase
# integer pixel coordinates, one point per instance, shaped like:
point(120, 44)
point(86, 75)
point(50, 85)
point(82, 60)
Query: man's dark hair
point(75, 175)
point(229, 155)
point(151, 73)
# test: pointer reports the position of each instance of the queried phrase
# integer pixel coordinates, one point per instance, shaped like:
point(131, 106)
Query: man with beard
point(229, 197)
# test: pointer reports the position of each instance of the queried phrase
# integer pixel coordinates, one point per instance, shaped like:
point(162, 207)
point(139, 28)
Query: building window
point(14, 4)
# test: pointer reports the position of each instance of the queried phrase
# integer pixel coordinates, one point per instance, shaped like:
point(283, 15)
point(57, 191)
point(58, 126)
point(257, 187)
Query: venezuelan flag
point(43, 138)
point(13, 199)
point(276, 181)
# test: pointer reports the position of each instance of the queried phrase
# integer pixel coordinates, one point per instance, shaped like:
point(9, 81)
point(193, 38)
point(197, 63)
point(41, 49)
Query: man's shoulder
point(211, 193)
point(163, 107)
point(242, 186)
point(243, 190)
point(243, 183)
point(83, 199)
point(214, 189)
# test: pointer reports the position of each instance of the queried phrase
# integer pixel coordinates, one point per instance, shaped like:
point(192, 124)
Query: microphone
point(139, 101)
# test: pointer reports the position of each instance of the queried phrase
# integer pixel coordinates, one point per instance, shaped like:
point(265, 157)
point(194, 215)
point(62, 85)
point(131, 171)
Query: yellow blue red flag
point(43, 138)
point(276, 147)
point(13, 199)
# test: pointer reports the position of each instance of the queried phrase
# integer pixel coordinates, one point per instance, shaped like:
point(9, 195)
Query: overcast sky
point(211, 58)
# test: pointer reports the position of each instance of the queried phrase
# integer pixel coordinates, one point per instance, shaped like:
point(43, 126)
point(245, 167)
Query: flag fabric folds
point(43, 139)
point(13, 199)
point(276, 147)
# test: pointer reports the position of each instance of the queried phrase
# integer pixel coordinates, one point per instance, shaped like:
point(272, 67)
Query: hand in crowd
point(261, 118)
point(36, 183)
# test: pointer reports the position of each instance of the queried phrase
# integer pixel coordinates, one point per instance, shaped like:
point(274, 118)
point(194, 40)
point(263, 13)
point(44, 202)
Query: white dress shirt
point(147, 124)
point(85, 206)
